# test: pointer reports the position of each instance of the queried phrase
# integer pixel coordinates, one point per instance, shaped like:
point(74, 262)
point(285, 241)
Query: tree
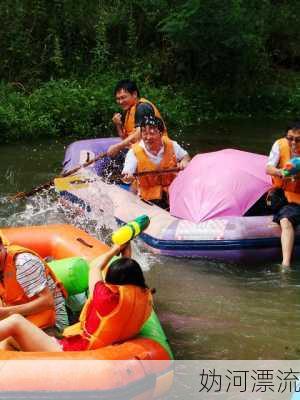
point(222, 41)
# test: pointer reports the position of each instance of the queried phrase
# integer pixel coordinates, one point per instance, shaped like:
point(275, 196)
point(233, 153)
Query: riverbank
point(78, 109)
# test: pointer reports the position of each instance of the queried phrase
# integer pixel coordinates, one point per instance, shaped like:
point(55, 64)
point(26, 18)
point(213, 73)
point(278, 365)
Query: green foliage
point(195, 59)
point(284, 34)
point(57, 108)
point(78, 109)
point(232, 43)
point(101, 50)
point(57, 58)
point(220, 40)
point(84, 108)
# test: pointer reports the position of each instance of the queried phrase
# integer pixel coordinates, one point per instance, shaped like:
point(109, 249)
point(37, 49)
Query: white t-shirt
point(130, 164)
point(274, 155)
point(31, 276)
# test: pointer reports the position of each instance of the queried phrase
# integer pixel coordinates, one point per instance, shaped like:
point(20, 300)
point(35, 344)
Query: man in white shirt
point(288, 215)
point(155, 153)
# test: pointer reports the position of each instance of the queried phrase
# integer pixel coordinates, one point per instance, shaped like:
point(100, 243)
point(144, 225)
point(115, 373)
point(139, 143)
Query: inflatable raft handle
point(130, 230)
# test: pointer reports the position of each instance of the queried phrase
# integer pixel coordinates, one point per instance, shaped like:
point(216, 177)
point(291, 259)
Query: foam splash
point(40, 209)
point(49, 208)
point(99, 219)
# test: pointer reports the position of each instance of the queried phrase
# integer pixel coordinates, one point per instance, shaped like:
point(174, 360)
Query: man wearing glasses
point(288, 216)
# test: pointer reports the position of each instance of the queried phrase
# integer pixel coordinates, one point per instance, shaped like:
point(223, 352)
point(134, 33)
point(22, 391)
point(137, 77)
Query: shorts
point(290, 211)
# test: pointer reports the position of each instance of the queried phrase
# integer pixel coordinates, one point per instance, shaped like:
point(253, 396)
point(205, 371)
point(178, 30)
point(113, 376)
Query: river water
point(208, 310)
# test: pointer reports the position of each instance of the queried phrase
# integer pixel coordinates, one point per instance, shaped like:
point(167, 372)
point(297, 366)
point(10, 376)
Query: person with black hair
point(155, 152)
point(134, 109)
point(288, 213)
point(115, 311)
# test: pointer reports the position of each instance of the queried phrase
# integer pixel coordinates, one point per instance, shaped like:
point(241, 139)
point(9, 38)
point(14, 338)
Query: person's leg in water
point(287, 241)
point(26, 335)
point(288, 217)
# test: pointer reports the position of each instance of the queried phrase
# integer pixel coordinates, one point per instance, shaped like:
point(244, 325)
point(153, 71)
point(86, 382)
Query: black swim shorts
point(290, 211)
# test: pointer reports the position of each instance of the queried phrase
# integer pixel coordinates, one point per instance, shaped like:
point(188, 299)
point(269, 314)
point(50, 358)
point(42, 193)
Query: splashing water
point(99, 219)
point(49, 208)
point(41, 209)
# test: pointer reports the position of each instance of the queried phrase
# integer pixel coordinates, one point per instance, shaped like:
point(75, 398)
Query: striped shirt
point(31, 275)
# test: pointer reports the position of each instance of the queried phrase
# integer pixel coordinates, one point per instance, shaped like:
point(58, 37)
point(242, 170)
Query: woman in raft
point(116, 310)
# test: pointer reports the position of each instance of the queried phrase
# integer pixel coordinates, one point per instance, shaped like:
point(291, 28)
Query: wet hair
point(125, 271)
point(293, 126)
point(128, 86)
point(150, 120)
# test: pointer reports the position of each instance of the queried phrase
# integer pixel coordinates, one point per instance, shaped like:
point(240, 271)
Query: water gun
point(130, 230)
point(292, 167)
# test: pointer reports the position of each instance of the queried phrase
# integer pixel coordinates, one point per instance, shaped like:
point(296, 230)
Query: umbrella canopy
point(218, 184)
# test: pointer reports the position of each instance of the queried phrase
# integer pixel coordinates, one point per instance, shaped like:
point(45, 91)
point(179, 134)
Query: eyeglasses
point(293, 139)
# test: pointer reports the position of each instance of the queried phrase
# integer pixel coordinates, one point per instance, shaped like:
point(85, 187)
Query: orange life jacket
point(124, 322)
point(129, 124)
point(3, 238)
point(151, 187)
point(12, 292)
point(291, 186)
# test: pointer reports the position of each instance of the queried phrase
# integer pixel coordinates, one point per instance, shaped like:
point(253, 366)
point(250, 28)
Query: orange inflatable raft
point(140, 368)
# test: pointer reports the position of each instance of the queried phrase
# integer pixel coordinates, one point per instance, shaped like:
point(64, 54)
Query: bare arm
point(134, 137)
point(274, 171)
point(129, 167)
point(42, 302)
point(127, 178)
point(99, 263)
point(119, 130)
point(117, 120)
point(184, 162)
point(273, 161)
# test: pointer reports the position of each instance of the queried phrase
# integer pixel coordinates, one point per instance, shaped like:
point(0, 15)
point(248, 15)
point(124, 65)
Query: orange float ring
point(139, 368)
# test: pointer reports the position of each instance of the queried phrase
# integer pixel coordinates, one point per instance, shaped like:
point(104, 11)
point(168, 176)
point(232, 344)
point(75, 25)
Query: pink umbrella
point(218, 184)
